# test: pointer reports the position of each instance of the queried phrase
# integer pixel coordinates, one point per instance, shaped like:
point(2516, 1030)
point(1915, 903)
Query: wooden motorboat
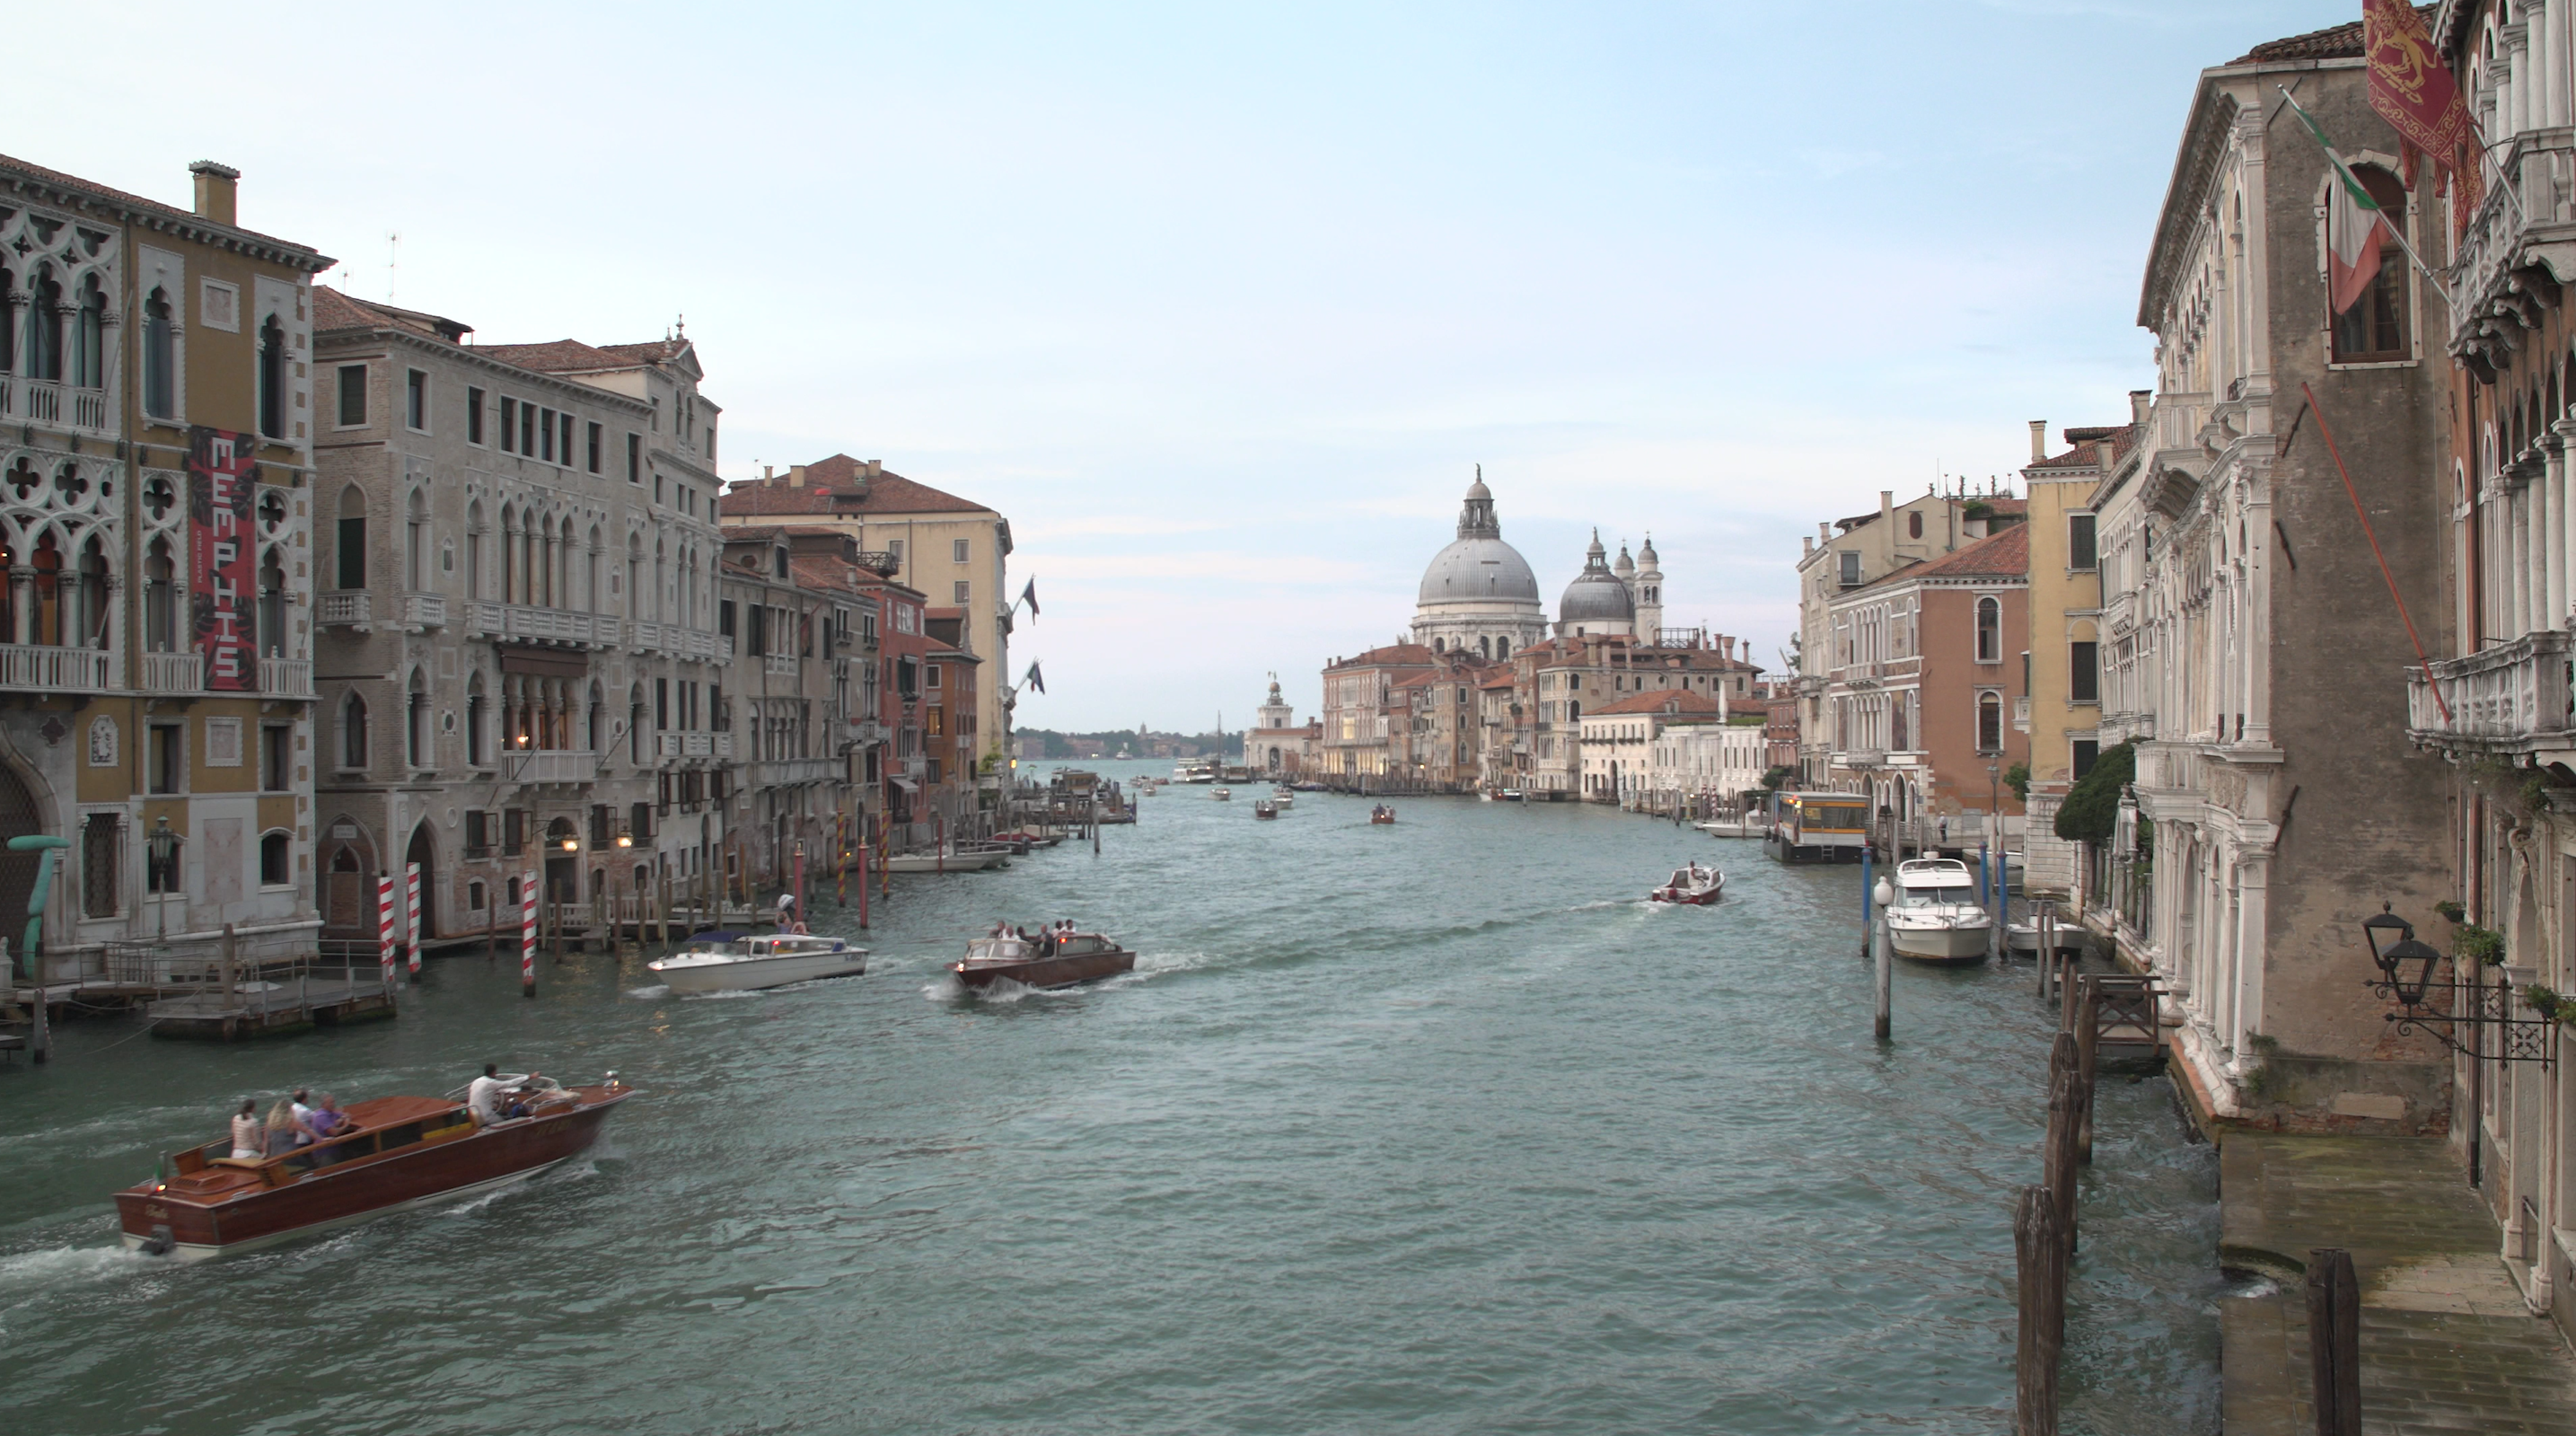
point(1221, 794)
point(732, 962)
point(1053, 960)
point(1381, 814)
point(1264, 808)
point(951, 861)
point(1694, 885)
point(401, 1152)
point(1935, 916)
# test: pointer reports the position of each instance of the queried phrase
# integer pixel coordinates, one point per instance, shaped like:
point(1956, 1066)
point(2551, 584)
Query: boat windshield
point(996, 947)
point(1960, 896)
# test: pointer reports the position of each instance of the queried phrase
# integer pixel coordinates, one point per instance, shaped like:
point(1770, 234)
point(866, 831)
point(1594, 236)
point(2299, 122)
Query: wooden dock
point(266, 1006)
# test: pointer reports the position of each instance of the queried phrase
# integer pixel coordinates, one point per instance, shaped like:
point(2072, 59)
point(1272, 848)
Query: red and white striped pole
point(385, 925)
point(411, 916)
point(528, 936)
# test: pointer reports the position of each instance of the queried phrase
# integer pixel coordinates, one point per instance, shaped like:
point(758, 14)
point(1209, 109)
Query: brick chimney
point(215, 190)
point(796, 476)
point(876, 468)
point(769, 473)
point(2038, 440)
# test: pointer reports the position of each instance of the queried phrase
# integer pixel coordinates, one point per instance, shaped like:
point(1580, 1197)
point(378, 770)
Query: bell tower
point(1276, 714)
point(1648, 585)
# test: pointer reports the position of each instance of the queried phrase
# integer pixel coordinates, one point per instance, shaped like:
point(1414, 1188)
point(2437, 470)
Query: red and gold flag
point(2412, 89)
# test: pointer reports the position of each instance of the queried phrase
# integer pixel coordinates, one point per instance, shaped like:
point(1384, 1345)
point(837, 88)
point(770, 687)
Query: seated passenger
point(249, 1143)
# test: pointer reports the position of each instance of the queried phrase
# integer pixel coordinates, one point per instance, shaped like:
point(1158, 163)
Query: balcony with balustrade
point(2512, 700)
point(550, 765)
point(345, 608)
point(48, 669)
point(286, 677)
point(526, 623)
point(171, 675)
point(686, 746)
point(424, 610)
point(791, 772)
point(779, 665)
point(50, 402)
point(2533, 223)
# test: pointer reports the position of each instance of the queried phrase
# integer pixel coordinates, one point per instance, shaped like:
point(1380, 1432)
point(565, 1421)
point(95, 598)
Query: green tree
point(2092, 806)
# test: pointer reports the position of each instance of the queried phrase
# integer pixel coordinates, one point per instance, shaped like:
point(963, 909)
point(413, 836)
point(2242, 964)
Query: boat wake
point(647, 994)
point(54, 1267)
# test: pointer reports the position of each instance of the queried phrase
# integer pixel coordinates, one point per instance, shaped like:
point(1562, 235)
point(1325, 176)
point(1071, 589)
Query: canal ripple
point(1428, 1128)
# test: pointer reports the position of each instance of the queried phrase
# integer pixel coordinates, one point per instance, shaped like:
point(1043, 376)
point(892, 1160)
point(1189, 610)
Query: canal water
point(1434, 1127)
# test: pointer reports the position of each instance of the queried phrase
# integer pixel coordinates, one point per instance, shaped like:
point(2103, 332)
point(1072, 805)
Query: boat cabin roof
point(1938, 870)
point(393, 1111)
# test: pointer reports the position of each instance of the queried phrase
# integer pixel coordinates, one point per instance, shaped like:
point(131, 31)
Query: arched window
point(1914, 524)
point(89, 337)
point(474, 549)
point(8, 321)
point(272, 385)
point(1990, 722)
point(635, 726)
point(45, 328)
point(353, 731)
point(1990, 630)
point(478, 724)
point(2374, 328)
point(160, 599)
point(93, 630)
point(416, 543)
point(1439, 645)
point(350, 541)
point(416, 722)
point(160, 358)
point(634, 576)
point(590, 572)
point(273, 852)
point(270, 636)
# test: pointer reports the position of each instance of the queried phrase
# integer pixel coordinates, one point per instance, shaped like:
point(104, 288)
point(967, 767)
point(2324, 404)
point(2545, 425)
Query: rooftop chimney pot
point(796, 476)
point(2138, 401)
point(216, 189)
point(876, 468)
point(2038, 440)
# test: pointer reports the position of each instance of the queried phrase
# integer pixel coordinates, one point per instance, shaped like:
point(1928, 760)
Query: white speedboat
point(1282, 799)
point(1936, 916)
point(1221, 794)
point(732, 962)
point(1693, 886)
point(952, 861)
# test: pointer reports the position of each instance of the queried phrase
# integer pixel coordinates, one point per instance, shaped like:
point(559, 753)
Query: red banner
point(221, 476)
point(2414, 92)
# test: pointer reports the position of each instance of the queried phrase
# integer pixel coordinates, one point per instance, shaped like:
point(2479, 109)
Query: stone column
point(2553, 533)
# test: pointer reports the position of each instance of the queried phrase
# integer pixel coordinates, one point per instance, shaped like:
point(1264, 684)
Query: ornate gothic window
point(45, 329)
point(271, 633)
point(160, 599)
point(2373, 330)
point(89, 337)
point(272, 385)
point(353, 731)
point(416, 721)
point(160, 358)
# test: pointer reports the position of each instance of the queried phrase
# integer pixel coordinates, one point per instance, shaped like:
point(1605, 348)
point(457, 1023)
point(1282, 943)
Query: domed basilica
point(1479, 596)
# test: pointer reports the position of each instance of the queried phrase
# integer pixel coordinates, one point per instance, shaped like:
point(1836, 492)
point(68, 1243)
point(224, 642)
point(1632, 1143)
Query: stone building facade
point(517, 609)
point(2062, 713)
point(155, 525)
point(2239, 588)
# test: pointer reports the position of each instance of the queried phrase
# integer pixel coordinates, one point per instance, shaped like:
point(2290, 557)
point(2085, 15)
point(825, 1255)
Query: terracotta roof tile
point(556, 356)
point(2337, 42)
point(838, 485)
point(1391, 655)
point(1998, 555)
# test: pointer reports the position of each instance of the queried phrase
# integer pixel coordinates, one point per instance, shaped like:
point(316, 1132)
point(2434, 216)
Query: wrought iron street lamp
point(164, 846)
point(2406, 974)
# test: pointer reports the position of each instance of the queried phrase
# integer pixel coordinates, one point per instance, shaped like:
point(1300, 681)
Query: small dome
point(1625, 567)
point(1646, 558)
point(1596, 595)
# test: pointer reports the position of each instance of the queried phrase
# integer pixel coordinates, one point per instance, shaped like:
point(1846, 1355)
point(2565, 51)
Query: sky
point(1221, 306)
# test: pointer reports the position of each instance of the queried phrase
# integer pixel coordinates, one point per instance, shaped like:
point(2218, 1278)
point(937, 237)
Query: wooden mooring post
point(2040, 1246)
point(2088, 1047)
point(2334, 1341)
point(2067, 1099)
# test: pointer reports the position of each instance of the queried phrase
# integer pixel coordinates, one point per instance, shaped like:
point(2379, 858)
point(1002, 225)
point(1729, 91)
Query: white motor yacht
point(1936, 916)
point(733, 962)
point(952, 861)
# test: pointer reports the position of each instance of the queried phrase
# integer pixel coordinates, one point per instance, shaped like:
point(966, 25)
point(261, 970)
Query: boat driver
point(485, 1094)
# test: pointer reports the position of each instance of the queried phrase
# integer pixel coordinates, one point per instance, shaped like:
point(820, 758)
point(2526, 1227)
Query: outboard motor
point(161, 1243)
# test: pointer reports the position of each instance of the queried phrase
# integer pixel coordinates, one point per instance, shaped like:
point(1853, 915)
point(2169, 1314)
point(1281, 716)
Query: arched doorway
point(18, 818)
point(563, 863)
point(423, 853)
point(345, 904)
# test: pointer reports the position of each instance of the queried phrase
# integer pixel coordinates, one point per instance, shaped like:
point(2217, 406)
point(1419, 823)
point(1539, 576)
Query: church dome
point(1596, 595)
point(1473, 569)
point(1479, 567)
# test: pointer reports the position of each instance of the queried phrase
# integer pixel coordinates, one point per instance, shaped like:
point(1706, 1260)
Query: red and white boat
point(1695, 886)
point(400, 1152)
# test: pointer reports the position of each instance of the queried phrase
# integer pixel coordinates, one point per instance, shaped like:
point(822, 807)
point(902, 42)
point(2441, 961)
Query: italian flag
point(2355, 225)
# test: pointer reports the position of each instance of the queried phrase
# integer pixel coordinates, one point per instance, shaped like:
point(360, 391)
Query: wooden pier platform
point(265, 1007)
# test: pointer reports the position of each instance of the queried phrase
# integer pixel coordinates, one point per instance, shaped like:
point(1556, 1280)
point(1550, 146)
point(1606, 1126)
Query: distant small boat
point(1283, 797)
point(1222, 795)
point(1265, 809)
point(1054, 960)
point(1694, 886)
point(1511, 795)
point(1308, 787)
point(1381, 814)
